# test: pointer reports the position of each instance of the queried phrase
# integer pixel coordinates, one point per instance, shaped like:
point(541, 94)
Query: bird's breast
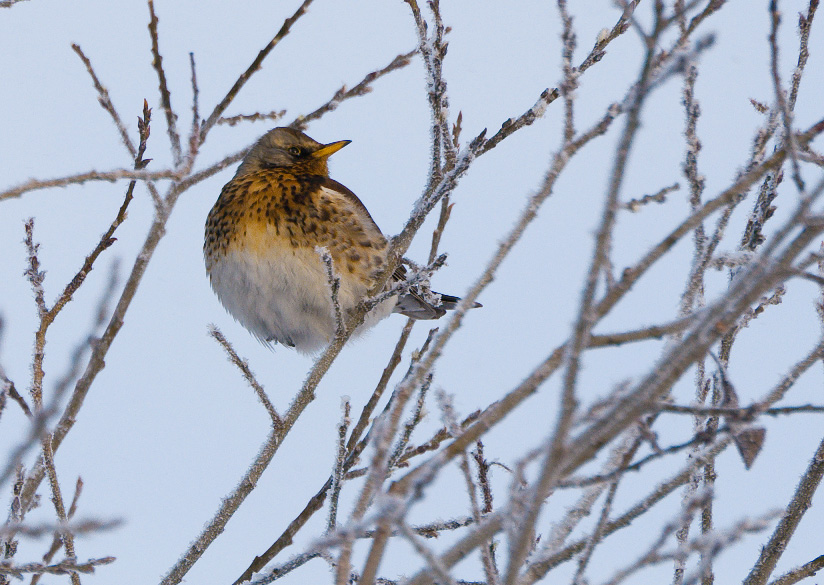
point(280, 292)
point(261, 254)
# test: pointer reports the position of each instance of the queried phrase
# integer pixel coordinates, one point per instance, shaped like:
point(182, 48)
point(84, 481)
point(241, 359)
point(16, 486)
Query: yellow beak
point(330, 149)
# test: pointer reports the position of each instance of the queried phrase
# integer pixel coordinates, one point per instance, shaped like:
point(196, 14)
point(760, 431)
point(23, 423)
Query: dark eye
point(295, 150)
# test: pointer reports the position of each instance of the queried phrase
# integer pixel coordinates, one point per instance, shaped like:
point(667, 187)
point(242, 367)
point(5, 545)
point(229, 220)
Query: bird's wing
point(411, 304)
point(347, 196)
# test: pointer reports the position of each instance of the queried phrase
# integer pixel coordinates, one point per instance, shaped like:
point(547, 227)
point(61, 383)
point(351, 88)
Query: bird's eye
point(295, 150)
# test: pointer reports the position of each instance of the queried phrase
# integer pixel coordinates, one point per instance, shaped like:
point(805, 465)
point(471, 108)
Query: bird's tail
point(415, 306)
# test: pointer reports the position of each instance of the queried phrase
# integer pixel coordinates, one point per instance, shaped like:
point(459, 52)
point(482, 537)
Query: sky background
point(169, 426)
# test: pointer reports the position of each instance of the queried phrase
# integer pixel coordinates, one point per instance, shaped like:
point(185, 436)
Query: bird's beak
point(330, 149)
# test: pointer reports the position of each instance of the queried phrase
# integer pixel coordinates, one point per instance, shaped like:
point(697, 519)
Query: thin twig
point(799, 504)
point(411, 424)
point(804, 27)
point(488, 558)
point(570, 82)
point(808, 569)
point(606, 510)
point(257, 116)
point(660, 196)
point(66, 567)
point(646, 333)
point(253, 67)
point(75, 529)
point(781, 98)
point(369, 408)
point(744, 414)
point(194, 134)
point(431, 559)
point(105, 101)
point(66, 536)
point(80, 178)
point(333, 280)
point(165, 94)
point(85, 526)
point(338, 471)
point(243, 366)
point(363, 87)
point(284, 569)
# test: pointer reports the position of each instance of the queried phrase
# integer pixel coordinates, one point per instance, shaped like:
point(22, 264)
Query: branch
point(66, 567)
point(255, 65)
point(235, 120)
point(354, 448)
point(106, 102)
point(165, 95)
point(243, 366)
point(806, 570)
point(338, 474)
point(800, 503)
point(361, 88)
point(743, 414)
point(333, 280)
point(80, 178)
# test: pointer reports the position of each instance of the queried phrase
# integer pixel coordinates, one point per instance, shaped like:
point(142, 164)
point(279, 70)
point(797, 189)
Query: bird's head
point(285, 148)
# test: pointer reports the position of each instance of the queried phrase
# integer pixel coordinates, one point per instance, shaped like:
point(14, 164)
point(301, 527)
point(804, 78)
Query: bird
point(263, 240)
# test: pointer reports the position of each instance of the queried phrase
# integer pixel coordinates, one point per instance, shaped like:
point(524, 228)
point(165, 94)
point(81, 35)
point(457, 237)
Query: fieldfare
point(261, 243)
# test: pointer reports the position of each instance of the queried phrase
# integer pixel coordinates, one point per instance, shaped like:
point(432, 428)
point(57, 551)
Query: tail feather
point(450, 302)
point(415, 306)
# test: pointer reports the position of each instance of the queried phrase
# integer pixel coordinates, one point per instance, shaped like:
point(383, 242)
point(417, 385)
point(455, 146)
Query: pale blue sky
point(169, 426)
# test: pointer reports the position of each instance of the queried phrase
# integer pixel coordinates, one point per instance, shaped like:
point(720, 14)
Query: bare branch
point(806, 570)
point(106, 102)
point(333, 280)
point(744, 414)
point(80, 178)
point(243, 366)
point(165, 94)
point(363, 87)
point(66, 567)
point(660, 196)
point(235, 120)
point(85, 526)
point(804, 27)
point(255, 65)
point(340, 465)
point(800, 503)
